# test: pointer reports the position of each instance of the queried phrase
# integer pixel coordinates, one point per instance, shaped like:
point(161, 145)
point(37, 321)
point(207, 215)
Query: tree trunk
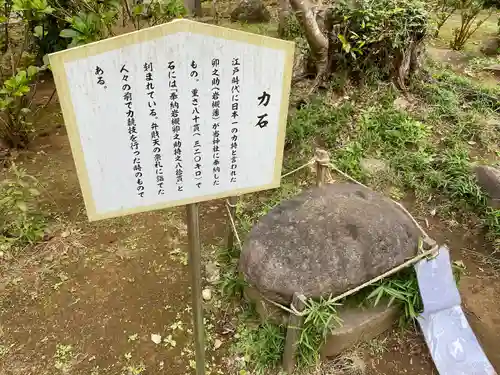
point(193, 7)
point(5, 47)
point(317, 41)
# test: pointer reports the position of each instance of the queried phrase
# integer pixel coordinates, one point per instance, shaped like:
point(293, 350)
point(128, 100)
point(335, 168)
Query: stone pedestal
point(360, 324)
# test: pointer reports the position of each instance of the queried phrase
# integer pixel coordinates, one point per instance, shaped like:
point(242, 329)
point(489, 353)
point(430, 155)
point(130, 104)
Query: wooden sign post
point(174, 115)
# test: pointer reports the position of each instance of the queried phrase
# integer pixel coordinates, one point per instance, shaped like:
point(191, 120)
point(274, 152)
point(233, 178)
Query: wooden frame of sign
point(84, 76)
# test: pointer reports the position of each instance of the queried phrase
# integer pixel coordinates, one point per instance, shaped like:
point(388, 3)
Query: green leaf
point(32, 71)
point(22, 206)
point(39, 32)
point(69, 33)
point(48, 10)
point(23, 90)
point(346, 46)
point(34, 192)
point(138, 9)
point(6, 103)
point(21, 77)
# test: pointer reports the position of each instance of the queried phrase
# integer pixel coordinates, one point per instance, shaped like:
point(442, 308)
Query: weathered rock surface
point(491, 47)
point(493, 68)
point(489, 180)
point(251, 11)
point(325, 241)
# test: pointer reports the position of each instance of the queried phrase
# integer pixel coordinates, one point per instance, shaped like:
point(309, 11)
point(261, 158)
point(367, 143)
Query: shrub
point(20, 223)
point(16, 100)
point(291, 29)
point(48, 26)
point(160, 11)
point(492, 3)
point(444, 9)
point(18, 74)
point(469, 12)
point(384, 35)
point(92, 22)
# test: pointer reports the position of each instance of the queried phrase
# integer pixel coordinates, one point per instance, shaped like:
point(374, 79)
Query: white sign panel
point(174, 114)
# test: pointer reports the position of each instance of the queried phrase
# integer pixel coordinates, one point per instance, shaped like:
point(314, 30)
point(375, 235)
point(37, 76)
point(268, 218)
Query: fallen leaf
point(155, 338)
point(217, 344)
point(133, 337)
point(206, 294)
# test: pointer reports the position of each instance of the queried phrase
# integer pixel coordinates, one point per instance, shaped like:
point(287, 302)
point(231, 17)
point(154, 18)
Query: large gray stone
point(491, 47)
point(489, 180)
point(325, 241)
point(250, 11)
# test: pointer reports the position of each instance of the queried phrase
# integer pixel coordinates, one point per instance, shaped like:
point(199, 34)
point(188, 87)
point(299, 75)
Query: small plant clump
point(261, 346)
point(443, 10)
point(16, 98)
point(377, 37)
point(20, 222)
point(469, 12)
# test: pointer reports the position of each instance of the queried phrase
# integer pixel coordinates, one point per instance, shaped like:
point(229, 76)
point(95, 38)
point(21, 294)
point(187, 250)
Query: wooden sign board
point(175, 114)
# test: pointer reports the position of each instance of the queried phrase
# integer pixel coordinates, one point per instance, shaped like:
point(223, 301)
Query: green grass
point(321, 317)
point(400, 289)
point(479, 63)
point(319, 121)
point(260, 345)
point(430, 151)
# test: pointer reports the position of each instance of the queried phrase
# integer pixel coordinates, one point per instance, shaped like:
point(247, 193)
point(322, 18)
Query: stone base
point(360, 324)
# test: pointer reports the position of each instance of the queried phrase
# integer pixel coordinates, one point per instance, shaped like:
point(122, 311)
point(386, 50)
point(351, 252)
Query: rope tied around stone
point(312, 161)
point(322, 158)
